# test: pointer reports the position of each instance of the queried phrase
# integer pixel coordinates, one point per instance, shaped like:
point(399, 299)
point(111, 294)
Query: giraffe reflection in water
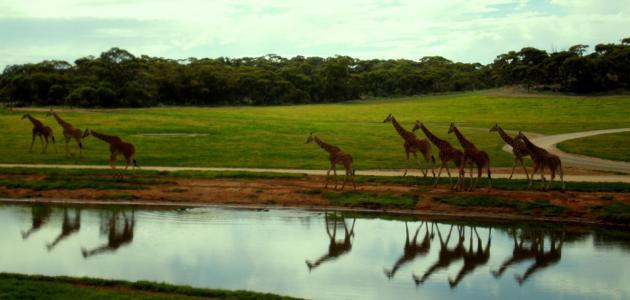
point(335, 248)
point(524, 249)
point(40, 214)
point(119, 228)
point(530, 245)
point(544, 259)
point(412, 249)
point(446, 256)
point(473, 258)
point(69, 226)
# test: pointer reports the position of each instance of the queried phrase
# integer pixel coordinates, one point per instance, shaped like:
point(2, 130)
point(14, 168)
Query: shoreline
point(428, 214)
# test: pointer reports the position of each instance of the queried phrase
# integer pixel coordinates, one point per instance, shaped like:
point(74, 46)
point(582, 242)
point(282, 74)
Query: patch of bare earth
point(309, 193)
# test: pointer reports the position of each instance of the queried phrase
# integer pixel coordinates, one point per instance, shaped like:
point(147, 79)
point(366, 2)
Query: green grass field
point(617, 146)
point(275, 136)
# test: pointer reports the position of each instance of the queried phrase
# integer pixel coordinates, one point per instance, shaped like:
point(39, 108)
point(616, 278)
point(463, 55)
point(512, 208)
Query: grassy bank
point(612, 146)
point(275, 136)
point(55, 178)
point(15, 286)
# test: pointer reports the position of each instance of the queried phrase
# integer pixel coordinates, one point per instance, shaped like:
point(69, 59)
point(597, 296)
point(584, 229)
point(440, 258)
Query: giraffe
point(40, 130)
point(335, 248)
point(446, 256)
point(518, 149)
point(336, 156)
point(473, 155)
point(542, 159)
point(69, 131)
point(412, 145)
point(447, 153)
point(473, 259)
point(40, 215)
point(116, 146)
point(412, 248)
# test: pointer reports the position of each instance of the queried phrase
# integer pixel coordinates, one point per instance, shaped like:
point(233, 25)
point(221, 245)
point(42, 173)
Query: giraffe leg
point(450, 180)
point(415, 158)
point(531, 178)
point(514, 167)
point(542, 176)
point(32, 142)
point(438, 175)
point(407, 162)
point(427, 158)
point(46, 145)
point(552, 176)
point(327, 177)
point(524, 168)
point(335, 176)
point(112, 163)
point(66, 140)
point(41, 139)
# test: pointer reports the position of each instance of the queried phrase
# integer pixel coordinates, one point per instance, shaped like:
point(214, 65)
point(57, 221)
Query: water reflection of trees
point(119, 227)
point(69, 226)
point(335, 248)
point(412, 249)
point(40, 215)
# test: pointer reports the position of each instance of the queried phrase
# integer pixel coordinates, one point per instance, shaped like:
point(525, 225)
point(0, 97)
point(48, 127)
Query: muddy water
point(317, 255)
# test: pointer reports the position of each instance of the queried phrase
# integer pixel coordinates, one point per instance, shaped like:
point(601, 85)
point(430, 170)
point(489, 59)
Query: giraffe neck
point(327, 147)
point(531, 147)
point(462, 140)
point(434, 139)
point(506, 138)
point(61, 122)
point(35, 122)
point(104, 137)
point(401, 131)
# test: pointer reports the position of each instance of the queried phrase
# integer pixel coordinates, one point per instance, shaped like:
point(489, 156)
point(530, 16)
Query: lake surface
point(317, 255)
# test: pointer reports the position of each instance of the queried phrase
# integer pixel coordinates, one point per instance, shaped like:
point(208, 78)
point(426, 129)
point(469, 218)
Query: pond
point(316, 254)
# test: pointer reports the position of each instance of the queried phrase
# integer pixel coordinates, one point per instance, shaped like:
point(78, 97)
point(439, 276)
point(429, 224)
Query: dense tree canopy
point(118, 78)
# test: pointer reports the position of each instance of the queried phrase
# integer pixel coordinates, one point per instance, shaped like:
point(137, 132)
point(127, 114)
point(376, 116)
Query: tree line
point(117, 78)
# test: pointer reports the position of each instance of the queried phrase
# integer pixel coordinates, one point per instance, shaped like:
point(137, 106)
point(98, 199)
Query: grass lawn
point(614, 146)
point(275, 136)
point(15, 286)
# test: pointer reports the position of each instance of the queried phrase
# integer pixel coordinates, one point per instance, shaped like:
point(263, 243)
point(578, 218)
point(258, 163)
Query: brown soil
point(305, 193)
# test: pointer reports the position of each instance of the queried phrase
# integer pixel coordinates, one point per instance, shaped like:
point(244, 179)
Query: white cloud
point(458, 29)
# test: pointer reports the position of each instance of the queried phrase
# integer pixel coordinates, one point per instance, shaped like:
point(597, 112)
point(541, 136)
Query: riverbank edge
point(141, 286)
point(426, 214)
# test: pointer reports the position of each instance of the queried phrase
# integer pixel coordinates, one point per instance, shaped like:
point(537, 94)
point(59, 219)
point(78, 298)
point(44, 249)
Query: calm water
point(316, 255)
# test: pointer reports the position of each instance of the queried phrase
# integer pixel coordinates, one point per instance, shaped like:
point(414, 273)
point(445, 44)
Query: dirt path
point(549, 143)
point(570, 175)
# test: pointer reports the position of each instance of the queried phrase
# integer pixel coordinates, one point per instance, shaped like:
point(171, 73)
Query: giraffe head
point(86, 133)
point(416, 126)
point(451, 128)
point(24, 116)
point(310, 138)
point(389, 118)
point(495, 128)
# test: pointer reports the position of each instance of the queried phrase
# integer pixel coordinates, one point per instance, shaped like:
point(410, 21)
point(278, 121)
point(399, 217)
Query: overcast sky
point(461, 30)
